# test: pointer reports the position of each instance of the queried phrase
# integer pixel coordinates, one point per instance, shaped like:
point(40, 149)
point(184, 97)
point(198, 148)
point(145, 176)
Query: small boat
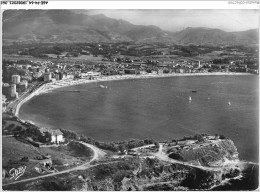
point(229, 103)
point(103, 86)
point(193, 91)
point(190, 98)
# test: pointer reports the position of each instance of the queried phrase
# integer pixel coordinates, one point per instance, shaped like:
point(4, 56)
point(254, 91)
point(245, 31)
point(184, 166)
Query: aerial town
point(93, 100)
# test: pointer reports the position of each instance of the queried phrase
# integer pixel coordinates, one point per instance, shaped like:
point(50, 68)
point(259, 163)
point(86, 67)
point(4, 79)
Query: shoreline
point(70, 82)
point(48, 87)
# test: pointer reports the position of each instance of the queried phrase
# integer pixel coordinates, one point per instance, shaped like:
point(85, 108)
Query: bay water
point(156, 108)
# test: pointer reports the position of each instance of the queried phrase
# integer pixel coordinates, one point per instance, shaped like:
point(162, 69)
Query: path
point(164, 157)
point(98, 153)
point(143, 147)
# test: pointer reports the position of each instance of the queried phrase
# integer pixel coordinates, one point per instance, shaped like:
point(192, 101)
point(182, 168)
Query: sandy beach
point(48, 87)
point(69, 82)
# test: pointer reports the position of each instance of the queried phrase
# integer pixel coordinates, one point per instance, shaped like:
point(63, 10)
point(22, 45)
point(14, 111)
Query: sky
point(176, 20)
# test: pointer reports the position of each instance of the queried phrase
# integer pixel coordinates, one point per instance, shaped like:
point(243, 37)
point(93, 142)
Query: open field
point(69, 155)
point(62, 157)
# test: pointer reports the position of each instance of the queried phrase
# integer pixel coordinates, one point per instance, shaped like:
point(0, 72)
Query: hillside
point(67, 26)
point(202, 35)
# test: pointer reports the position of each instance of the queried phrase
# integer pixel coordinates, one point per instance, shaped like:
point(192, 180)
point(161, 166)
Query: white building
point(47, 77)
point(13, 91)
point(16, 79)
point(56, 136)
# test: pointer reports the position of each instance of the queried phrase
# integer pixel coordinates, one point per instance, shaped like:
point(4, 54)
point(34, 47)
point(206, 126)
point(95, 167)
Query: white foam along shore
point(69, 82)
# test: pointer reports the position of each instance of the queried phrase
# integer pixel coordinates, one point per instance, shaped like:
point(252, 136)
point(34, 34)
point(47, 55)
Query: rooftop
point(56, 132)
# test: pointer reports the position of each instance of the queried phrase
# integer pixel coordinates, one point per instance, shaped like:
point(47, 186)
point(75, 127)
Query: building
point(61, 76)
point(13, 91)
point(159, 71)
point(56, 76)
point(15, 79)
point(26, 66)
point(6, 89)
point(47, 77)
point(23, 85)
point(27, 78)
point(37, 74)
point(47, 70)
point(182, 70)
point(56, 136)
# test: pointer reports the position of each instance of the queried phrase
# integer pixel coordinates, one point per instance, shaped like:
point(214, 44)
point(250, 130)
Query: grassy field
point(15, 150)
point(76, 180)
point(63, 157)
point(69, 155)
point(8, 126)
point(12, 153)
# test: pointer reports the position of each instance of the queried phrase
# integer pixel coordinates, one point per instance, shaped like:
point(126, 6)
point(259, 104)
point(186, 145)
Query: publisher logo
point(16, 173)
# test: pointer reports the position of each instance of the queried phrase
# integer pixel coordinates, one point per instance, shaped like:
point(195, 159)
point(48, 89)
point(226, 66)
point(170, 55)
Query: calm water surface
point(158, 108)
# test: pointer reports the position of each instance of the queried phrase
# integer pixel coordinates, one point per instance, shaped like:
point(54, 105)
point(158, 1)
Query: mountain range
point(67, 26)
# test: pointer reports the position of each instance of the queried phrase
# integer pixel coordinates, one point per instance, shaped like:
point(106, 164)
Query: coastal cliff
point(155, 175)
point(149, 173)
point(199, 162)
point(213, 154)
point(213, 164)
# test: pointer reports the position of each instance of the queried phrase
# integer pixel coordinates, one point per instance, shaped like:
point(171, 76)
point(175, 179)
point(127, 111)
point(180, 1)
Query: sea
point(157, 108)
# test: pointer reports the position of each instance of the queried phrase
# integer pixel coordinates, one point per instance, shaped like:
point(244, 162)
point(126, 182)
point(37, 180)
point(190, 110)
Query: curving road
point(98, 153)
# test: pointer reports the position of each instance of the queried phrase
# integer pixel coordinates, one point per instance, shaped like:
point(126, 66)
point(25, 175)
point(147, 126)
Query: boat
point(229, 103)
point(193, 91)
point(190, 98)
point(102, 86)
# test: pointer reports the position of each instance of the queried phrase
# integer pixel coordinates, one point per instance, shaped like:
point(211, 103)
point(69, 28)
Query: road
point(12, 107)
point(98, 153)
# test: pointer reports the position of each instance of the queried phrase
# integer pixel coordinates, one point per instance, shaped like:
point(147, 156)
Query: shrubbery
point(111, 146)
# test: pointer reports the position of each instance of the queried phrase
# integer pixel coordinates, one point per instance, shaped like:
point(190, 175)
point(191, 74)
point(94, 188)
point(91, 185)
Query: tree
point(122, 147)
point(222, 137)
point(47, 136)
point(157, 145)
point(11, 126)
point(199, 138)
point(18, 128)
